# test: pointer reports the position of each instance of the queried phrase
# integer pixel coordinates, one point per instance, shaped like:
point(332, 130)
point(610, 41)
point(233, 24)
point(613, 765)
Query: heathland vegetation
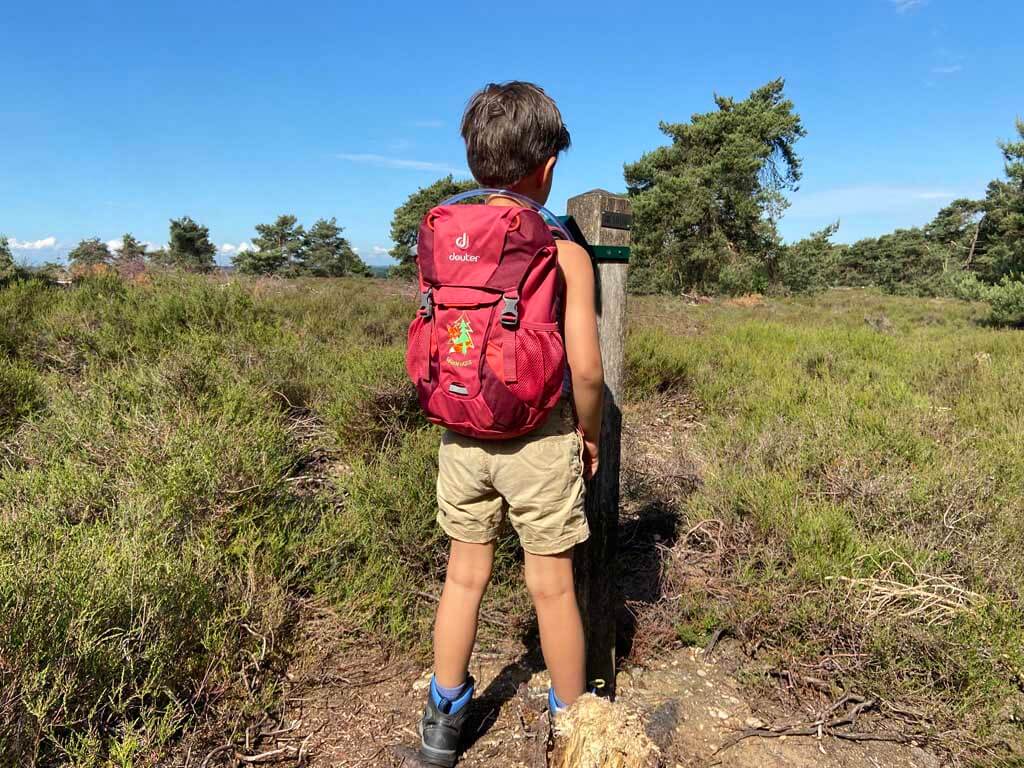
point(189, 458)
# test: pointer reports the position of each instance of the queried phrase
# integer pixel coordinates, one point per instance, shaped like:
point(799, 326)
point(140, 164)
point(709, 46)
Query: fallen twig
point(824, 725)
point(713, 643)
point(214, 753)
point(263, 757)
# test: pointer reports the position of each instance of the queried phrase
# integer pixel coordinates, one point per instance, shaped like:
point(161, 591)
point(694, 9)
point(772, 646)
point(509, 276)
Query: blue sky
point(117, 115)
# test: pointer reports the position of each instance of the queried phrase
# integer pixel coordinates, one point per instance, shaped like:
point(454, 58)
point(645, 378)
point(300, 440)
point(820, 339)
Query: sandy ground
point(343, 710)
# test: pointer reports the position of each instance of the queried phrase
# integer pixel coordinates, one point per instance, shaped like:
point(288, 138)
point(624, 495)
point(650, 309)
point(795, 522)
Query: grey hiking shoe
point(441, 726)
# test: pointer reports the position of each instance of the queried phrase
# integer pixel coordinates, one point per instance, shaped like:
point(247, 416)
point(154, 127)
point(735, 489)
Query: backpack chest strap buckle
point(426, 310)
point(510, 312)
point(510, 322)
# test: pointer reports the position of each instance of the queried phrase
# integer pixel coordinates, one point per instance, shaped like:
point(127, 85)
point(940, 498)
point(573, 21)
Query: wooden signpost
point(604, 221)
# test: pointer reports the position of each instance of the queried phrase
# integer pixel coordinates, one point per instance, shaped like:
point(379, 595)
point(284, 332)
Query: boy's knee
point(547, 587)
point(470, 578)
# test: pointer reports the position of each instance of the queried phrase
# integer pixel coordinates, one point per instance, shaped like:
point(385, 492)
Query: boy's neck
point(511, 201)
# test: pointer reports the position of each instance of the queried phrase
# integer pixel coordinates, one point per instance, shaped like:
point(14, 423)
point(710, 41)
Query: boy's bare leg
point(469, 571)
point(549, 579)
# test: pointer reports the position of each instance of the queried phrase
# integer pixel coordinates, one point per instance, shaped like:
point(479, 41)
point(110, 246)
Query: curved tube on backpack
point(552, 219)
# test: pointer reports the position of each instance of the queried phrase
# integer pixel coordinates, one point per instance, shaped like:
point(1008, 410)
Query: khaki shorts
point(535, 480)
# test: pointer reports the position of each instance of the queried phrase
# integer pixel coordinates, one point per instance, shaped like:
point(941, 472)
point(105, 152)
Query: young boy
point(514, 134)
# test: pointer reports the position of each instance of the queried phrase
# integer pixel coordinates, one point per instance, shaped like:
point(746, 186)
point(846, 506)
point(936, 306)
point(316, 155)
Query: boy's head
point(514, 133)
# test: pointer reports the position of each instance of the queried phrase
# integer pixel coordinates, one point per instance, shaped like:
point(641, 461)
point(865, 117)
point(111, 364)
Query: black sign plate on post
point(613, 220)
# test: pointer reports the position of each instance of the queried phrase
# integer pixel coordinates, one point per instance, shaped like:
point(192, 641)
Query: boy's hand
point(591, 457)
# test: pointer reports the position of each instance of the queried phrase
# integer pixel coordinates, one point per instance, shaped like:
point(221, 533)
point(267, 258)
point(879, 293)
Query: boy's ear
point(547, 170)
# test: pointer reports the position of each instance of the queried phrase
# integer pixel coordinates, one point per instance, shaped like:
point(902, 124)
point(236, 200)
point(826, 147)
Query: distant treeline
point(283, 248)
point(707, 204)
point(706, 208)
point(705, 213)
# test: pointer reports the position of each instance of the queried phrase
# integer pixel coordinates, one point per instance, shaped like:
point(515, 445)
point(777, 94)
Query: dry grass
point(902, 591)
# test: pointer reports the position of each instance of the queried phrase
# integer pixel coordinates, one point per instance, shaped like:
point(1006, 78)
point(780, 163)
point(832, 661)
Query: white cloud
point(949, 69)
point(355, 249)
point(379, 250)
point(867, 199)
point(902, 6)
point(383, 161)
point(32, 245)
point(242, 247)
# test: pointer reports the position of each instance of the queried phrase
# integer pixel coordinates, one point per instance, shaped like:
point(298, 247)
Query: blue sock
point(450, 700)
point(555, 704)
point(450, 693)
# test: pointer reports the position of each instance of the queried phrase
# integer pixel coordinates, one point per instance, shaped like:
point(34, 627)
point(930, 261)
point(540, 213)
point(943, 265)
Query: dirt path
point(342, 709)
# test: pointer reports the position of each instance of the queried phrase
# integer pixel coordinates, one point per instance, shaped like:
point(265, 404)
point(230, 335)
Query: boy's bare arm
point(582, 345)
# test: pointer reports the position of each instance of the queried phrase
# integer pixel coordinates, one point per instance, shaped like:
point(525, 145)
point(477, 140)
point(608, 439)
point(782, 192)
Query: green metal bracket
point(599, 253)
point(606, 253)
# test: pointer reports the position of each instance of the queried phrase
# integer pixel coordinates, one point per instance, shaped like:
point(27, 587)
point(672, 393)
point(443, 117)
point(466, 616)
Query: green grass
point(839, 455)
point(183, 461)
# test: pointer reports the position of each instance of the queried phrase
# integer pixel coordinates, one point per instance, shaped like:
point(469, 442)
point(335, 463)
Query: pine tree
point(89, 253)
point(710, 199)
point(6, 258)
point(131, 251)
point(957, 228)
point(277, 248)
point(189, 247)
point(326, 253)
point(1001, 250)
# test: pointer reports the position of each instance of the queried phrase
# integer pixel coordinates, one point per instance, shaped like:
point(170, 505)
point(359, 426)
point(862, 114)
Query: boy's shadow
point(643, 539)
point(487, 705)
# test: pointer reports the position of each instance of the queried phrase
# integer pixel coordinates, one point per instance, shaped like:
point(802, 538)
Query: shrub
point(181, 461)
point(741, 276)
point(964, 285)
point(1007, 302)
point(20, 394)
point(808, 265)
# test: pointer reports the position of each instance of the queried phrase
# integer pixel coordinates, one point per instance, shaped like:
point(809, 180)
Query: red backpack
point(485, 349)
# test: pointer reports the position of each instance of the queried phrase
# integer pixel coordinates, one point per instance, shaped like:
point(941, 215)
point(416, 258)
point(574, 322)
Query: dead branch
point(828, 723)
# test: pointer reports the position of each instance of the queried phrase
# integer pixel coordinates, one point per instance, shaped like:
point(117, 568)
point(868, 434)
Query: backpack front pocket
point(462, 334)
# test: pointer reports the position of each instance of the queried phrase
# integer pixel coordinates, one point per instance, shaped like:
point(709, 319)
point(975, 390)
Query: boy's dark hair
point(510, 129)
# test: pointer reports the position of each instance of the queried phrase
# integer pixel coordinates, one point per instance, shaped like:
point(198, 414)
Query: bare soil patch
point(345, 707)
